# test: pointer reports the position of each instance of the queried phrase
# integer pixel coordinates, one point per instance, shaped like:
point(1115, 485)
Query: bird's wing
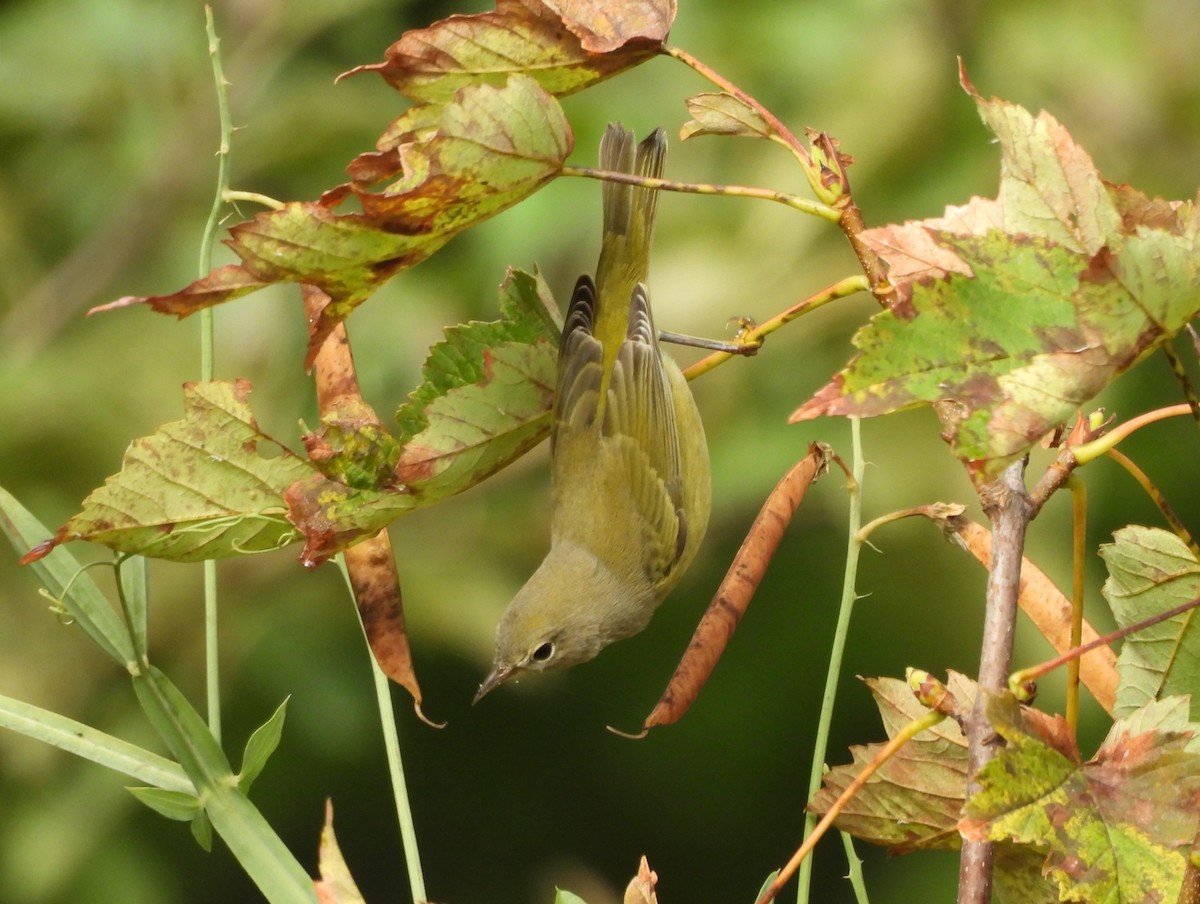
point(580, 363)
point(639, 410)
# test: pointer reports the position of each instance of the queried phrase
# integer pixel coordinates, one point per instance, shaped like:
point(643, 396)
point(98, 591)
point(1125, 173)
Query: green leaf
point(519, 36)
point(562, 896)
point(1150, 571)
point(251, 840)
point(486, 398)
point(92, 744)
point(58, 570)
point(718, 113)
point(175, 805)
point(487, 393)
point(260, 746)
point(1116, 827)
point(206, 487)
point(490, 147)
point(202, 830)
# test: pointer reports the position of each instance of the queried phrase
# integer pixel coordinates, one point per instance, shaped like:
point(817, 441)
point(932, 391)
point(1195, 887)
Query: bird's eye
point(543, 652)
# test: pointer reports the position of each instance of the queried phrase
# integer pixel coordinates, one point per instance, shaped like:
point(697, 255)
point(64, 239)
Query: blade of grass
point(134, 588)
point(91, 744)
point(59, 571)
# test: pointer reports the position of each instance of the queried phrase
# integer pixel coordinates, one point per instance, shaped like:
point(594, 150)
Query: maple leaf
point(564, 46)
point(1115, 827)
point(1014, 312)
point(913, 800)
point(1151, 571)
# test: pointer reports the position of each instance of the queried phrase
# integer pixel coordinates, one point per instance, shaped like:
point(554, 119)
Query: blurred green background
point(107, 132)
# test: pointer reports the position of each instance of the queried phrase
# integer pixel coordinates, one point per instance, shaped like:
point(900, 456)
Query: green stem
point(854, 873)
point(212, 650)
point(391, 740)
point(233, 195)
point(853, 549)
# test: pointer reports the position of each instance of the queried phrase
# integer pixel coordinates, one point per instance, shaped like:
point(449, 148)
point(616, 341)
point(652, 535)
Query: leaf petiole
point(813, 208)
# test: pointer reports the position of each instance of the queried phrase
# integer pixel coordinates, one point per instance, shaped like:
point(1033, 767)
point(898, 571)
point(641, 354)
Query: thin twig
point(756, 334)
point(1078, 557)
point(1160, 500)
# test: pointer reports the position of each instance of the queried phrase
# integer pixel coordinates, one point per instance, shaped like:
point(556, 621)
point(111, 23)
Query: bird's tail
point(629, 210)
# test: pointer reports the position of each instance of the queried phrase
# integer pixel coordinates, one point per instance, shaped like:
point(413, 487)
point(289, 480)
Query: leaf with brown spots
point(1014, 312)
point(914, 800)
point(206, 487)
point(1117, 827)
point(485, 401)
point(603, 26)
point(519, 36)
point(457, 164)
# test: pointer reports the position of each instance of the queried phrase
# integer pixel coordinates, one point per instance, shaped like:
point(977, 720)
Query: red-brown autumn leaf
point(1013, 313)
point(527, 37)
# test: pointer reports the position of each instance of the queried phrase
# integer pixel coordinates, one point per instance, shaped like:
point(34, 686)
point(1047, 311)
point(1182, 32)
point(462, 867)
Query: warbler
point(630, 477)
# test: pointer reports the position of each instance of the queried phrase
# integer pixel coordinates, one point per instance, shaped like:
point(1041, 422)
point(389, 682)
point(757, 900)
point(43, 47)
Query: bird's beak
point(499, 674)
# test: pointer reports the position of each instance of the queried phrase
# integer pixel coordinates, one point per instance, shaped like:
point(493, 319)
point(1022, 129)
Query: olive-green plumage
point(630, 471)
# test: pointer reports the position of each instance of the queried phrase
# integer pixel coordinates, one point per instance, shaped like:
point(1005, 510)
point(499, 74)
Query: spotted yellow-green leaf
point(718, 113)
point(205, 487)
point(1115, 828)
